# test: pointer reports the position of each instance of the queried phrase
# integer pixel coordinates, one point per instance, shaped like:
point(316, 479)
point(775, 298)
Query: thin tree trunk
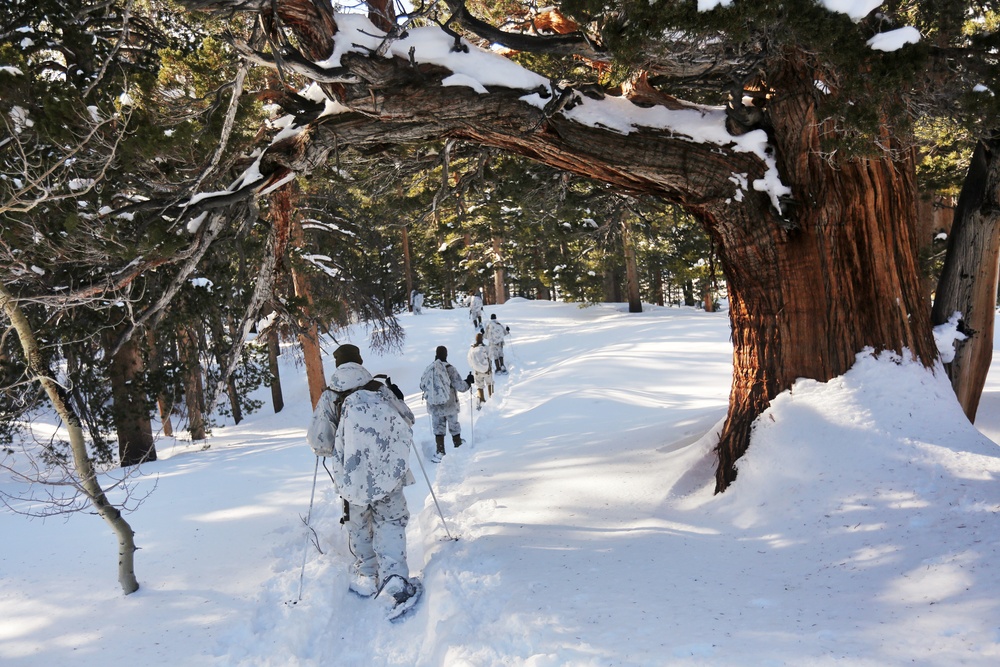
point(162, 401)
point(499, 279)
point(219, 335)
point(273, 352)
point(631, 268)
point(968, 283)
point(85, 473)
point(135, 433)
point(284, 209)
point(407, 268)
point(656, 278)
point(194, 391)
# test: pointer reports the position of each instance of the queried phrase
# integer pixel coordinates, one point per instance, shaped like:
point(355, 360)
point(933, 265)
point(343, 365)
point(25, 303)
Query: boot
point(498, 366)
point(456, 439)
point(439, 454)
point(503, 367)
point(482, 399)
point(489, 389)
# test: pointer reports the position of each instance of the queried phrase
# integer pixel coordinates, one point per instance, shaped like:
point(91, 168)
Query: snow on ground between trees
point(862, 528)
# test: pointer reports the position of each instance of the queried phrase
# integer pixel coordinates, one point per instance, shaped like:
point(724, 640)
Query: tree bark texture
point(163, 402)
point(810, 287)
point(631, 268)
point(499, 275)
point(968, 282)
point(408, 268)
point(131, 416)
point(194, 387)
point(85, 473)
point(273, 352)
point(283, 209)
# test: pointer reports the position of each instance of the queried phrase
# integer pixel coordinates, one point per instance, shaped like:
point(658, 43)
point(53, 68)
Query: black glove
point(508, 329)
point(469, 379)
point(395, 389)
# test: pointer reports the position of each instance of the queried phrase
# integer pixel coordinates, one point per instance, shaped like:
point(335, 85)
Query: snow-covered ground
point(864, 528)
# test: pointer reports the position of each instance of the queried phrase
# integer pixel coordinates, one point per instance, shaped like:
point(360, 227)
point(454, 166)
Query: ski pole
point(305, 546)
point(431, 488)
point(472, 421)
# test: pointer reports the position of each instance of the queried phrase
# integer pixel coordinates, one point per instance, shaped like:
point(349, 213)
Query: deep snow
point(863, 528)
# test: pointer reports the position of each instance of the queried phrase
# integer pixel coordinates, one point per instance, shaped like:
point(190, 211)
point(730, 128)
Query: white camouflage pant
point(440, 423)
point(483, 380)
point(377, 536)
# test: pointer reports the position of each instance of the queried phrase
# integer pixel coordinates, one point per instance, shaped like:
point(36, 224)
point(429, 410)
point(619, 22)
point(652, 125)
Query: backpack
point(436, 384)
point(376, 440)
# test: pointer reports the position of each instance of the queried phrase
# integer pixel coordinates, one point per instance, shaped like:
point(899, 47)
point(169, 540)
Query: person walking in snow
point(476, 310)
point(417, 300)
point(441, 383)
point(366, 431)
point(482, 368)
point(494, 334)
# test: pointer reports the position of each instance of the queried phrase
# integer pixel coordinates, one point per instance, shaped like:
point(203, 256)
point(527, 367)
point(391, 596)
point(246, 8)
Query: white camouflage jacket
point(370, 446)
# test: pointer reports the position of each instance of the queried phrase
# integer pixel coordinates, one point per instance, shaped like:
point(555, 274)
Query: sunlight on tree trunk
point(284, 209)
point(499, 279)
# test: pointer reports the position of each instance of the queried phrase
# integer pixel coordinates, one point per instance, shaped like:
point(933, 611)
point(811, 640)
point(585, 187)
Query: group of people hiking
point(363, 425)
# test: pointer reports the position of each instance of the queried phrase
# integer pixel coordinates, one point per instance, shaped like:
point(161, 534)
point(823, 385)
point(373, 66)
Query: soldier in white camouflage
point(370, 460)
point(441, 375)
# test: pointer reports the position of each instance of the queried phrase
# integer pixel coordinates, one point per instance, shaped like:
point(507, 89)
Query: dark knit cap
point(493, 316)
point(347, 353)
point(441, 353)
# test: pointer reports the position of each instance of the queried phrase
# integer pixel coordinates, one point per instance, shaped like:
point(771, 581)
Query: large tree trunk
point(838, 275)
point(85, 474)
point(135, 433)
point(968, 283)
point(809, 288)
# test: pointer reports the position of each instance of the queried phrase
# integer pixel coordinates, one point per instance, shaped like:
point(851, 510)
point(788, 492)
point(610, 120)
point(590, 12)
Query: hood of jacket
point(349, 376)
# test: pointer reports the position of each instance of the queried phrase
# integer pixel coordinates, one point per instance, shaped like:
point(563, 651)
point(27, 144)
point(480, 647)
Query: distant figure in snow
point(441, 383)
point(476, 309)
point(417, 299)
point(482, 368)
point(495, 333)
point(366, 431)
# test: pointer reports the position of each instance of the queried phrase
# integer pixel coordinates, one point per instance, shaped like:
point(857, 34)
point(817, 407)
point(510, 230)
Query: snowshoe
point(400, 596)
point(437, 456)
point(363, 585)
